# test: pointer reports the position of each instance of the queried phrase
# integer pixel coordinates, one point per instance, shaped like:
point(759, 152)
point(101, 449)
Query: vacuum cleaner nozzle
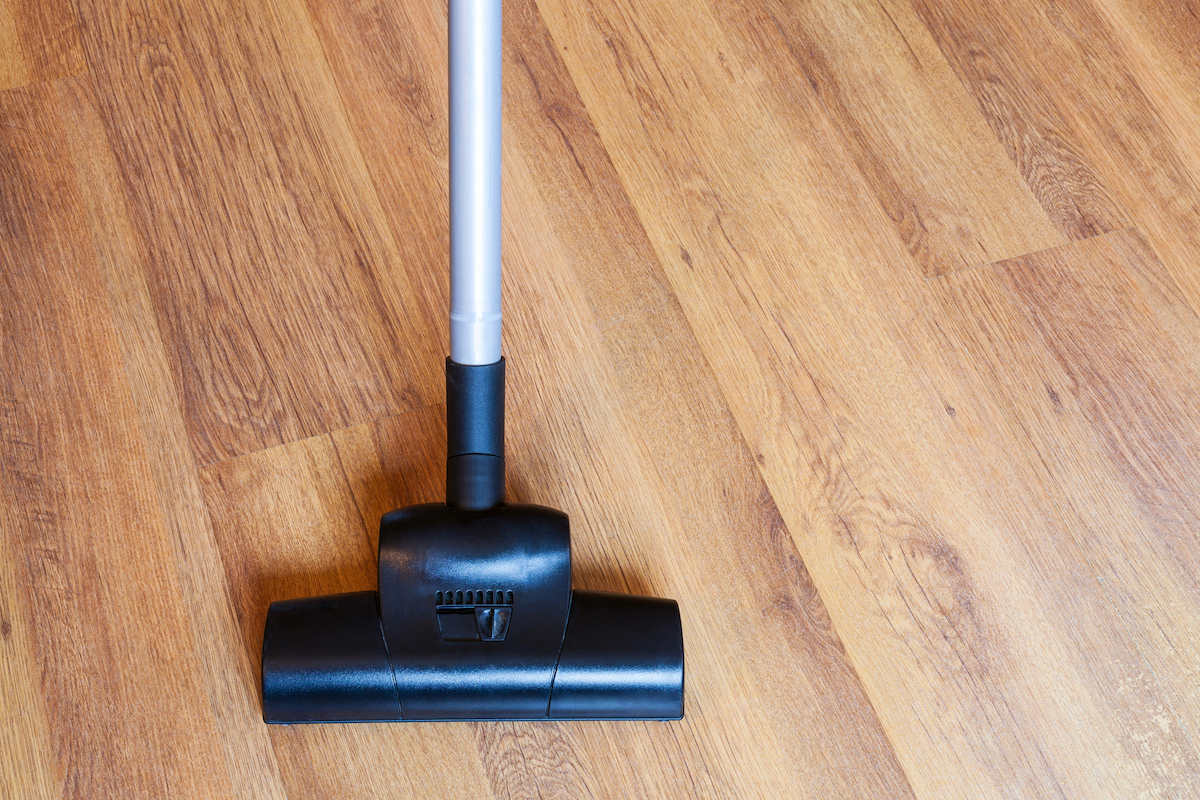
point(475, 617)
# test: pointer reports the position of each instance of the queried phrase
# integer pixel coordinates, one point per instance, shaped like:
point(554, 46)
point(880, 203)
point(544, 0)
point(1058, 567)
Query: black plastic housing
point(475, 619)
point(324, 658)
point(474, 435)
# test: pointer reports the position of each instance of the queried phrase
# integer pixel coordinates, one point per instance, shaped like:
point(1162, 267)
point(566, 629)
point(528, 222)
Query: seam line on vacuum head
point(388, 652)
point(558, 658)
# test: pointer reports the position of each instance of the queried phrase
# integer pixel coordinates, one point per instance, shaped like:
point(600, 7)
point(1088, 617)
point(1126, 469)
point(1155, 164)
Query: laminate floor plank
point(285, 307)
point(389, 62)
point(1072, 344)
point(1080, 110)
point(39, 40)
point(627, 432)
point(721, 542)
point(1158, 41)
point(226, 668)
point(97, 590)
point(1158, 38)
point(931, 547)
point(1042, 138)
point(914, 132)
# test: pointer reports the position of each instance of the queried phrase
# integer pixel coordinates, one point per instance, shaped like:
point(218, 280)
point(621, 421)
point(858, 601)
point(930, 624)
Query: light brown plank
point(225, 669)
point(928, 542)
point(1079, 109)
point(914, 132)
point(39, 41)
point(1158, 37)
point(284, 306)
point(389, 61)
point(1041, 137)
point(685, 460)
point(1158, 41)
point(665, 500)
point(125, 707)
point(1106, 400)
point(615, 419)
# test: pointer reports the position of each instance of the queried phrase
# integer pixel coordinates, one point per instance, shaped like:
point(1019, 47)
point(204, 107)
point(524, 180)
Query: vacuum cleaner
point(475, 617)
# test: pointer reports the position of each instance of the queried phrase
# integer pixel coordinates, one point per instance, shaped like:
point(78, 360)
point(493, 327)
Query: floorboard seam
point(207, 464)
point(43, 81)
point(1035, 252)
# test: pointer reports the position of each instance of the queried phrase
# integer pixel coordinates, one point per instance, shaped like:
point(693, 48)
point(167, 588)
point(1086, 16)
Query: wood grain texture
point(1079, 105)
point(933, 562)
point(1073, 343)
point(931, 524)
point(27, 768)
point(284, 307)
point(39, 41)
point(609, 291)
point(120, 255)
point(389, 62)
point(97, 590)
point(913, 130)
point(1042, 137)
point(710, 506)
point(1158, 38)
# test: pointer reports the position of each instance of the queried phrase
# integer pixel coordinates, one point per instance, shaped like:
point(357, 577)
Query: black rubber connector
point(474, 482)
point(474, 435)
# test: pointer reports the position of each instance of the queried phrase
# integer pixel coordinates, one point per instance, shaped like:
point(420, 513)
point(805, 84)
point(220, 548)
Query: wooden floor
point(866, 329)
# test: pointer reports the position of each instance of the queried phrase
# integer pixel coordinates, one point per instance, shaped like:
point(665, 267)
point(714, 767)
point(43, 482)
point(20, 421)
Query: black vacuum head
point(475, 619)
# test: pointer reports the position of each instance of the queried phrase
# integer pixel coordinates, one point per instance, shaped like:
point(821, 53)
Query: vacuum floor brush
point(475, 617)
